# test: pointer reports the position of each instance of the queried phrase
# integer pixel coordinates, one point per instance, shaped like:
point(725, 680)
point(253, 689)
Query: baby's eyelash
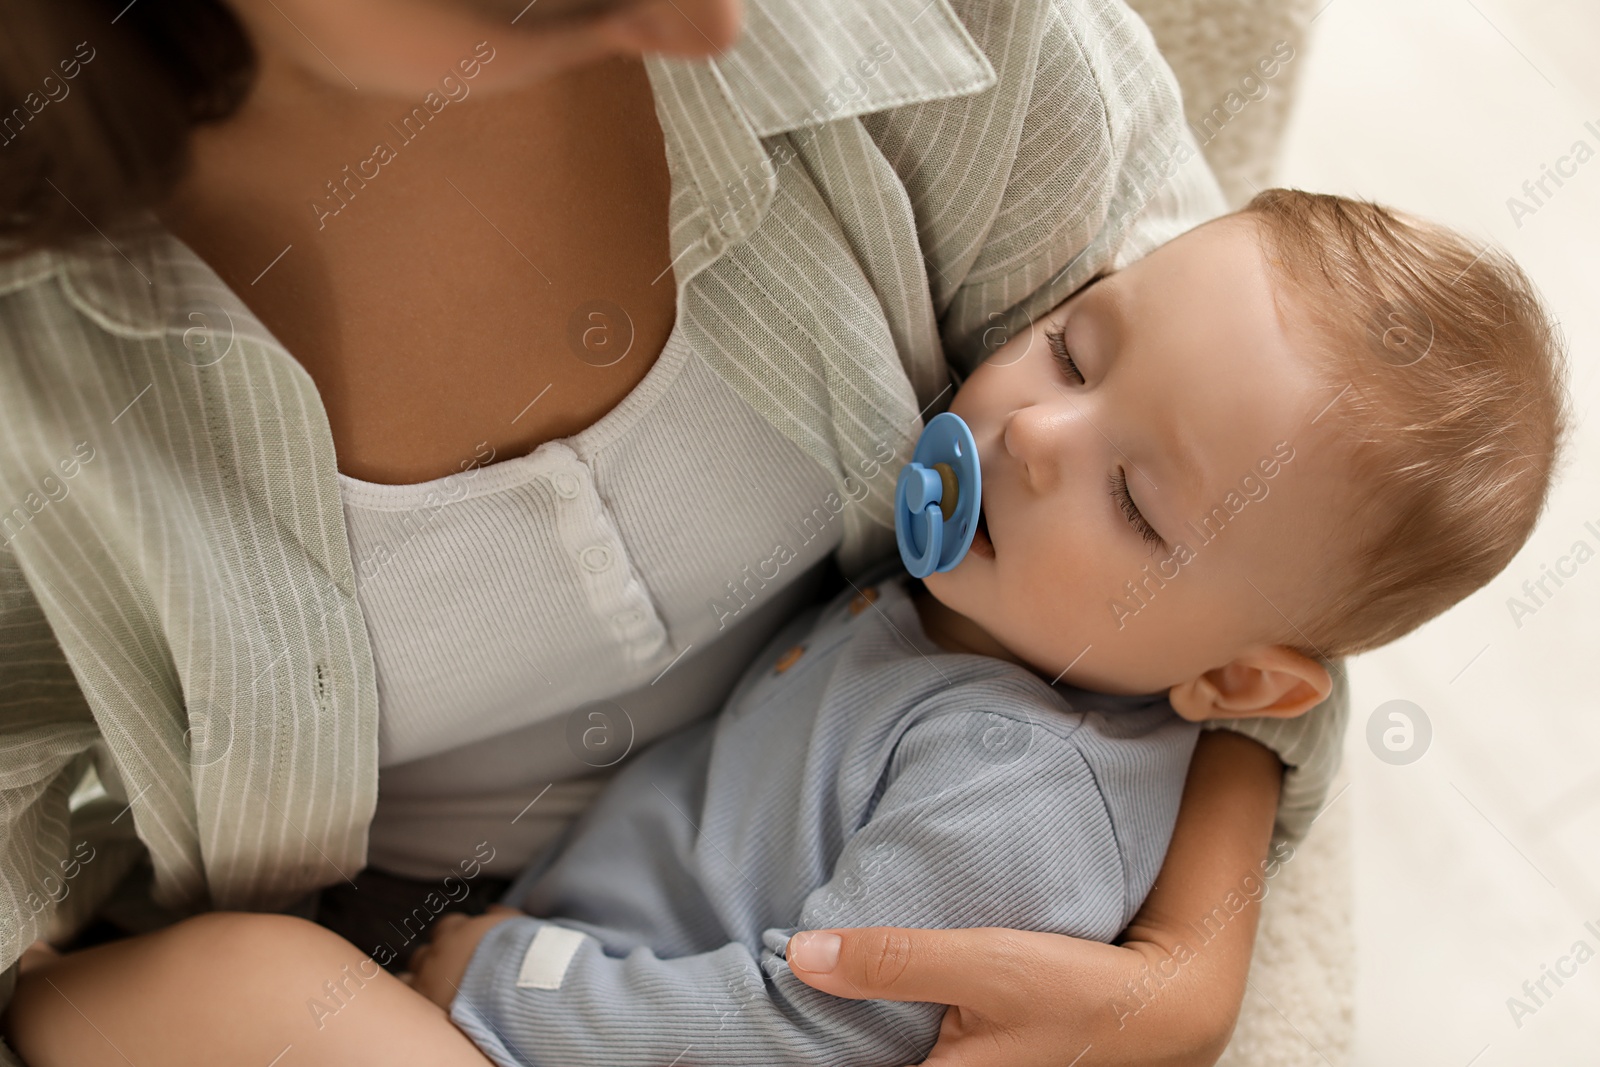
point(1124, 499)
point(1056, 337)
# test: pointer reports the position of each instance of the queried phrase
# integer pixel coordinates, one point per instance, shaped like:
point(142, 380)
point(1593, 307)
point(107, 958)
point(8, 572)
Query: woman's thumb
point(885, 963)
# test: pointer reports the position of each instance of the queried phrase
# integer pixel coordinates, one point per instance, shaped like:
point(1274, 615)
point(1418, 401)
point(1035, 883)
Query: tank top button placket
point(601, 559)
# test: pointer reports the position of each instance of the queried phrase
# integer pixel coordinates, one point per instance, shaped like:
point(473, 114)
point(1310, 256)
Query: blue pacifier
point(936, 499)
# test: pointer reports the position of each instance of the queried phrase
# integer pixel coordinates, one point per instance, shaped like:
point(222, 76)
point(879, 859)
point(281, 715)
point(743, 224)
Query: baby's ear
point(1264, 680)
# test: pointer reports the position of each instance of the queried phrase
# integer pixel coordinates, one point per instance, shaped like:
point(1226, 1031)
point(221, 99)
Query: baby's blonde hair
point(1448, 373)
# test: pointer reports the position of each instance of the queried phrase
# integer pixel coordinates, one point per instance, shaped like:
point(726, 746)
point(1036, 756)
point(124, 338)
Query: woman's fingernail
point(815, 952)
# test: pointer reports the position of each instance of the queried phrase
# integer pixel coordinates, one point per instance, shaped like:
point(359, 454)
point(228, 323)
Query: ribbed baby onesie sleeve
point(965, 833)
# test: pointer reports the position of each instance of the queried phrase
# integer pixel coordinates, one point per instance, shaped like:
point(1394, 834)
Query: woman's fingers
point(37, 955)
point(441, 964)
point(686, 28)
point(1026, 999)
point(441, 926)
point(975, 968)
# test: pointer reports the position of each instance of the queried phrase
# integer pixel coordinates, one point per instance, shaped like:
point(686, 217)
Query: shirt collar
point(798, 63)
point(807, 62)
point(21, 271)
point(118, 279)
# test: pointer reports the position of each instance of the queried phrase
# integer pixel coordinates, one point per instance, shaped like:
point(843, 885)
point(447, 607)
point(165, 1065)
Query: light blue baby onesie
point(868, 779)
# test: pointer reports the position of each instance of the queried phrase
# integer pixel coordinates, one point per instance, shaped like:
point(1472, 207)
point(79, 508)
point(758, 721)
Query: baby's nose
point(1039, 439)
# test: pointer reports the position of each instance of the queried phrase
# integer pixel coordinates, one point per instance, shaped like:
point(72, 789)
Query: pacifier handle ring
point(943, 473)
point(928, 518)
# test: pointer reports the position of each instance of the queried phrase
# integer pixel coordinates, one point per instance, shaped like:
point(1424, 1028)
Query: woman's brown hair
point(97, 98)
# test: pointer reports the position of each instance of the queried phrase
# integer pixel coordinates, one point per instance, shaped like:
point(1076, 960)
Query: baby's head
point(1292, 434)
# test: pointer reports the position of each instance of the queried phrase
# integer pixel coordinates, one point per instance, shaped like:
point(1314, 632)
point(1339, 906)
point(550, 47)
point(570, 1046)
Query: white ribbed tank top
point(533, 620)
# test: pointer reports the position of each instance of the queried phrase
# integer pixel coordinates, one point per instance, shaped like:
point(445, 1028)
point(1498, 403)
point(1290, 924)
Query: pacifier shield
point(937, 497)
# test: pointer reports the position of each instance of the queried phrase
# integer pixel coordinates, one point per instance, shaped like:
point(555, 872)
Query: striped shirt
point(861, 194)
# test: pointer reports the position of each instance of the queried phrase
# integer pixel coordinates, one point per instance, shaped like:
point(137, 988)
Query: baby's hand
point(437, 967)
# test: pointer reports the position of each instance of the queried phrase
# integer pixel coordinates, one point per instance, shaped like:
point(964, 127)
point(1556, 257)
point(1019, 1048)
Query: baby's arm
point(960, 837)
point(228, 987)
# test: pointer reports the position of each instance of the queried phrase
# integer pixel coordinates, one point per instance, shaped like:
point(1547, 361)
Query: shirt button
point(566, 485)
point(788, 659)
point(628, 618)
point(596, 558)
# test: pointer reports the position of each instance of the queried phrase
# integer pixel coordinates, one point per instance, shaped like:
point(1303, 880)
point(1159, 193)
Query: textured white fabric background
point(1476, 866)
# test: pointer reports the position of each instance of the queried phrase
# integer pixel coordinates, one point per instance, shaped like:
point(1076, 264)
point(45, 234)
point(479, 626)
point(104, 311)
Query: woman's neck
point(295, 133)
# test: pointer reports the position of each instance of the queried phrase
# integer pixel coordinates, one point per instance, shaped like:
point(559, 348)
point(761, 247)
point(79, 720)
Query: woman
point(510, 489)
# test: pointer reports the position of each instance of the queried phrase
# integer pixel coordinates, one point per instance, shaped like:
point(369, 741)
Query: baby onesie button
point(788, 659)
point(566, 485)
point(860, 603)
point(596, 558)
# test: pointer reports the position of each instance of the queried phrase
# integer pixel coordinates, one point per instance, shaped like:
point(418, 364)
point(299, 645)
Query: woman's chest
point(501, 277)
point(504, 335)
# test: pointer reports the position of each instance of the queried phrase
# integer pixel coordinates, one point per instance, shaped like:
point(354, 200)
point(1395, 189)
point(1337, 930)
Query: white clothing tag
point(548, 956)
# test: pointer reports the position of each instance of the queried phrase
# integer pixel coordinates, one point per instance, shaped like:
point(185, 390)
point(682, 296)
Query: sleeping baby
point(1290, 435)
point(1004, 744)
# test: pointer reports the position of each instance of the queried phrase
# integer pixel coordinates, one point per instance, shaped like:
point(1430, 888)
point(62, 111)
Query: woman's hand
point(392, 49)
point(1168, 994)
point(1019, 998)
point(35, 956)
point(685, 29)
point(437, 967)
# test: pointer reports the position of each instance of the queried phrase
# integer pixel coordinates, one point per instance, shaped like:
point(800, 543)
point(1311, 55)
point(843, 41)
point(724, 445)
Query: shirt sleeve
point(1082, 163)
point(966, 833)
point(46, 729)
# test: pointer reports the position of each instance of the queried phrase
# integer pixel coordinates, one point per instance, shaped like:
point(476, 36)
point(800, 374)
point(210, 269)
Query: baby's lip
point(981, 544)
